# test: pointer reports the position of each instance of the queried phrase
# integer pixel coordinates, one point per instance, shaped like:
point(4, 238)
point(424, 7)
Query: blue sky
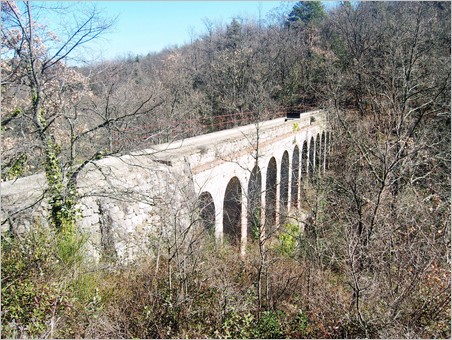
point(145, 26)
point(150, 26)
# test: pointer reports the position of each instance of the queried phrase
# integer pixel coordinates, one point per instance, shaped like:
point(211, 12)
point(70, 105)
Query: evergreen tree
point(305, 12)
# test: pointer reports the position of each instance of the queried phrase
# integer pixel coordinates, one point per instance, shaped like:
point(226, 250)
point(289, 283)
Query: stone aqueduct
point(242, 177)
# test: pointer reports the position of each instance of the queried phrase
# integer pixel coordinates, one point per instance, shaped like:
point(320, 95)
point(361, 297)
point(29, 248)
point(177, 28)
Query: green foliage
point(32, 255)
point(288, 240)
point(269, 325)
point(15, 168)
point(256, 224)
point(29, 301)
point(306, 12)
point(70, 246)
point(28, 307)
point(9, 117)
point(238, 326)
point(63, 199)
point(84, 287)
point(246, 326)
point(233, 34)
point(301, 322)
point(295, 130)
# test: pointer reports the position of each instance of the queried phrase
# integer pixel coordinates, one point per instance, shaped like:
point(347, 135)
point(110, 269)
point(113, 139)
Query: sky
point(150, 26)
point(144, 27)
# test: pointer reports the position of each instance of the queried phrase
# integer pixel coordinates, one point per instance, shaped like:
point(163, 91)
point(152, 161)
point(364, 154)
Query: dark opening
point(232, 211)
point(304, 160)
point(284, 187)
point(254, 203)
point(311, 163)
point(318, 154)
point(270, 195)
point(207, 211)
point(327, 149)
point(295, 175)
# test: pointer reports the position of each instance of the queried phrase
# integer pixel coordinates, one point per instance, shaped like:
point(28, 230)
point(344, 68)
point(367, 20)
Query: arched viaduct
point(236, 179)
point(259, 181)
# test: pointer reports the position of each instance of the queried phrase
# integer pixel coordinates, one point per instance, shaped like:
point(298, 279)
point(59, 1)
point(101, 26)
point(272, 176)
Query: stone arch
point(207, 211)
point(304, 160)
point(295, 176)
point(284, 187)
point(232, 211)
point(311, 164)
point(270, 195)
point(254, 201)
point(318, 154)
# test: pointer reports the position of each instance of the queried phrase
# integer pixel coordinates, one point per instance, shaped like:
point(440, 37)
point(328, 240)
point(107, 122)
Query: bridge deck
point(166, 153)
point(178, 149)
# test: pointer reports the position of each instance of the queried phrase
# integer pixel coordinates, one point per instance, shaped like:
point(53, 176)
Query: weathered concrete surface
point(128, 202)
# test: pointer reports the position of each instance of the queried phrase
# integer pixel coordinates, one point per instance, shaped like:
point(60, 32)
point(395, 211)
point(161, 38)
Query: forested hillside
point(374, 260)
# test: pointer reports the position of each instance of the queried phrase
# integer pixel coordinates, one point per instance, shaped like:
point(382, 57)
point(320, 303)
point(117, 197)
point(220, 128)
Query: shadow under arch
point(327, 149)
point(304, 161)
point(207, 211)
point(270, 195)
point(254, 206)
point(311, 161)
point(295, 176)
point(232, 211)
point(318, 154)
point(284, 187)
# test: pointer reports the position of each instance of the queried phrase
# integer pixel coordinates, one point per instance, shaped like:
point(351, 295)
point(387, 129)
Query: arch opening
point(284, 187)
point(207, 211)
point(318, 155)
point(232, 211)
point(304, 160)
point(254, 203)
point(270, 195)
point(311, 163)
point(327, 149)
point(295, 176)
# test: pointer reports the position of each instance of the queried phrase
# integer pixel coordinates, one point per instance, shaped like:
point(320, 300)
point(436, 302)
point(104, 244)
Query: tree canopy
point(306, 12)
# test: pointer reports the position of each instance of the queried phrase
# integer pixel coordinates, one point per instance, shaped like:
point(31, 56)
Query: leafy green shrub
point(15, 168)
point(269, 325)
point(70, 247)
point(35, 281)
point(238, 326)
point(288, 240)
point(29, 301)
point(30, 256)
point(28, 307)
point(299, 324)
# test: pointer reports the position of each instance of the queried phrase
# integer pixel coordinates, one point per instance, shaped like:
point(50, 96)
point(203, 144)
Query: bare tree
point(50, 106)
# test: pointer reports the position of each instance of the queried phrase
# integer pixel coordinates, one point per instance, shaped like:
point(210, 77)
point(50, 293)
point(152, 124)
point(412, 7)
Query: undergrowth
point(211, 293)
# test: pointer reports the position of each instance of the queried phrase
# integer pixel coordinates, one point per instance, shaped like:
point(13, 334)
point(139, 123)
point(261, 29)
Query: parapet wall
point(123, 202)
